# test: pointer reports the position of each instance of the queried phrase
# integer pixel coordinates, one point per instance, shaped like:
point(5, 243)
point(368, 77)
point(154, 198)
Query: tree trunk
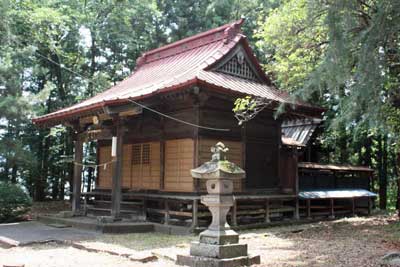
point(382, 167)
point(14, 173)
point(398, 184)
point(61, 193)
point(41, 181)
point(55, 187)
point(93, 49)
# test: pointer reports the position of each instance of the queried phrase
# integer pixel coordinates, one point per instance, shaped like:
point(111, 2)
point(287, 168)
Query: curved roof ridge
point(224, 32)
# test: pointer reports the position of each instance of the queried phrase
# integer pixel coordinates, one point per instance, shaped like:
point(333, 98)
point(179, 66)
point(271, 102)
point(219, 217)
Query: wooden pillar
point(195, 209)
point(296, 211)
point(77, 181)
point(296, 183)
point(162, 164)
point(166, 212)
point(308, 204)
point(353, 207)
point(332, 208)
point(162, 153)
point(196, 144)
point(116, 194)
point(370, 202)
point(267, 219)
point(144, 209)
point(234, 213)
point(244, 142)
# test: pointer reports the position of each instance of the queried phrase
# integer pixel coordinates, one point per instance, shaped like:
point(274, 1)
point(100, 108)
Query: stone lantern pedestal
point(219, 244)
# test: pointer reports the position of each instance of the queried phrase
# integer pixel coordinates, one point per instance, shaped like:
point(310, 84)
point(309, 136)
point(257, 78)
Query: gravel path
point(345, 242)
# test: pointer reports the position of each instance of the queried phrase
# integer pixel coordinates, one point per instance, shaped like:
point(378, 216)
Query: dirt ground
point(355, 241)
point(48, 207)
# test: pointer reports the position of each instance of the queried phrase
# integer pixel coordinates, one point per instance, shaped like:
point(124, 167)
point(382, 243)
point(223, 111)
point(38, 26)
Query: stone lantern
point(219, 244)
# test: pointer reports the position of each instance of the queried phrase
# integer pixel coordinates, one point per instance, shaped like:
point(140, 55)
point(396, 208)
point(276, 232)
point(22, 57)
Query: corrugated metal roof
point(300, 130)
point(291, 142)
point(179, 65)
point(333, 167)
point(337, 193)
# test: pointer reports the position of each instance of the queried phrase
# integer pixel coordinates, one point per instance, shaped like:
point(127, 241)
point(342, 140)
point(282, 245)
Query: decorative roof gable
point(238, 64)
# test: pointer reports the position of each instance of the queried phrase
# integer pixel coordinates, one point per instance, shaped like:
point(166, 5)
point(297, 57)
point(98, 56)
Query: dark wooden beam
point(116, 195)
point(97, 134)
point(128, 109)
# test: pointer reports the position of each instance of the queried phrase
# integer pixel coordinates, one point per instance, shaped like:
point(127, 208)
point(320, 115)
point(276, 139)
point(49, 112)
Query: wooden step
point(179, 213)
point(109, 210)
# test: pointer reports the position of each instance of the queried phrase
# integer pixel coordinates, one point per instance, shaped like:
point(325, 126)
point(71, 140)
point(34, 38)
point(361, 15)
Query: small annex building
point(195, 81)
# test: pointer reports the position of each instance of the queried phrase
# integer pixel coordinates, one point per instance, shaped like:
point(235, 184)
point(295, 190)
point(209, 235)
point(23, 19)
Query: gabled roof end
point(226, 32)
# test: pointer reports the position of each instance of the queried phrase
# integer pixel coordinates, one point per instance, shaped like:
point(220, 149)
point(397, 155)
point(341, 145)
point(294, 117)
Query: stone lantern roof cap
point(218, 167)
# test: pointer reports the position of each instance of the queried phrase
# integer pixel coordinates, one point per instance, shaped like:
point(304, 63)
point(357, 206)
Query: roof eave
point(62, 117)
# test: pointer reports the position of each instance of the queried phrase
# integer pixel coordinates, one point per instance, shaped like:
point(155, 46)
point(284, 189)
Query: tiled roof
point(178, 65)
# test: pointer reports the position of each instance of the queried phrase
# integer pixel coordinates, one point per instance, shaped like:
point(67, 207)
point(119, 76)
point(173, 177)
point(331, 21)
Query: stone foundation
point(213, 262)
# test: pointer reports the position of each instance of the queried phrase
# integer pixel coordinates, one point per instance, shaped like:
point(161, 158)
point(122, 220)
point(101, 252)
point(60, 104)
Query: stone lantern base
point(218, 249)
point(196, 261)
point(218, 246)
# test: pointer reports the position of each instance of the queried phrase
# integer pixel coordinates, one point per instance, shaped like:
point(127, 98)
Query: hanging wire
point(132, 101)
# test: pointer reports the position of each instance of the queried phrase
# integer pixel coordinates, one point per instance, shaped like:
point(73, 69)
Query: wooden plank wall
point(288, 169)
point(104, 174)
point(234, 154)
point(179, 155)
point(126, 165)
point(147, 176)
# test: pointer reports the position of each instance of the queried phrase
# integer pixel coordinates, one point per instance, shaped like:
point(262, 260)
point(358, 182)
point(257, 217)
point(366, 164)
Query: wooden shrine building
point(153, 114)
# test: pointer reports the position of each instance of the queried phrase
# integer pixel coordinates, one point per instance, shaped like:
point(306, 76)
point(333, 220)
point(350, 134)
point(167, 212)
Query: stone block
point(195, 261)
point(218, 251)
point(219, 237)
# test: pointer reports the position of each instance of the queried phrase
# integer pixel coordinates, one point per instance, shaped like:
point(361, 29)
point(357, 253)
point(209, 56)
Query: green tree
point(343, 55)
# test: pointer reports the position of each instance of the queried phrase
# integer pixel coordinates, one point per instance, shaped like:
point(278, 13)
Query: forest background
point(343, 55)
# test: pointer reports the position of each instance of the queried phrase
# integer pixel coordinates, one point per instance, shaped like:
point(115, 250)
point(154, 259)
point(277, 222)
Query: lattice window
point(141, 154)
point(136, 154)
point(146, 154)
point(238, 66)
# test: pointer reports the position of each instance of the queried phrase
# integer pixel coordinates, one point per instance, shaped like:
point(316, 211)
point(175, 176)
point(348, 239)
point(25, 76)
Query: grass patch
point(145, 241)
point(393, 230)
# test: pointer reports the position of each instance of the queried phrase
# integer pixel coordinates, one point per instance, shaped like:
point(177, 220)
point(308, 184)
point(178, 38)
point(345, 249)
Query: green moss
point(228, 166)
